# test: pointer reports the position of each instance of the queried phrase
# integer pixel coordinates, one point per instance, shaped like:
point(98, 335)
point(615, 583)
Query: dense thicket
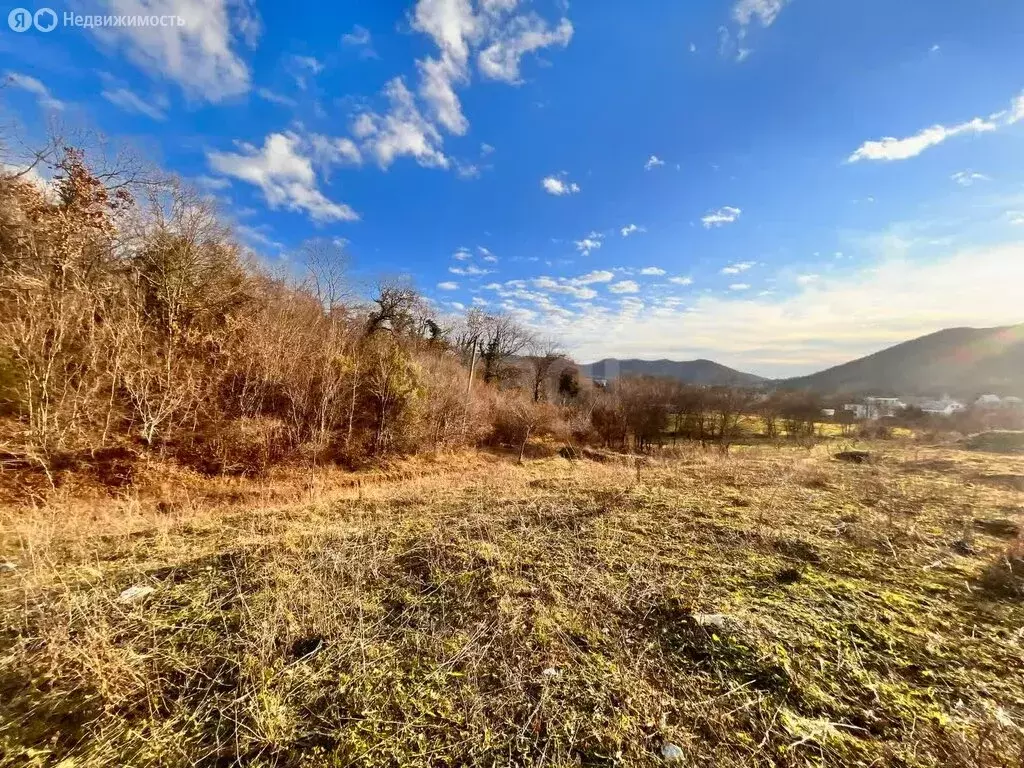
point(137, 318)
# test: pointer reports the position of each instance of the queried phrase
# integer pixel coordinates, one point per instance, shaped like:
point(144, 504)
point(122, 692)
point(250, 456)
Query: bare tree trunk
point(522, 448)
point(352, 407)
point(469, 390)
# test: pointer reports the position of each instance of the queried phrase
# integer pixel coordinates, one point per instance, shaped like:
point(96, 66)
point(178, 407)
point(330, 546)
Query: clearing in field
point(773, 607)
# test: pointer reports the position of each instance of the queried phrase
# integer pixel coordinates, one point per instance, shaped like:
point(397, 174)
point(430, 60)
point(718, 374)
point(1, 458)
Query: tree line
point(131, 315)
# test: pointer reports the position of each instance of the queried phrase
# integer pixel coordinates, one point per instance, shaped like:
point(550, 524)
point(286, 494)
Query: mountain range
point(958, 361)
point(690, 371)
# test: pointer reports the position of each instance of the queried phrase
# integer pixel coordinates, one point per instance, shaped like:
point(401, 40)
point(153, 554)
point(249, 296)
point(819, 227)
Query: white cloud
point(597, 276)
point(486, 255)
point(469, 270)
point(967, 178)
point(735, 269)
point(448, 286)
point(589, 243)
point(561, 285)
point(401, 131)
point(744, 13)
point(202, 56)
point(36, 88)
point(891, 148)
point(631, 229)
point(499, 36)
point(284, 174)
point(652, 271)
point(213, 183)
point(725, 215)
point(554, 185)
point(437, 88)
point(275, 98)
point(310, 63)
point(693, 47)
point(360, 38)
point(624, 286)
point(258, 237)
point(832, 320)
point(766, 11)
point(486, 149)
point(806, 279)
point(467, 170)
point(329, 150)
point(739, 287)
point(653, 162)
point(462, 254)
point(681, 280)
point(1015, 217)
point(524, 34)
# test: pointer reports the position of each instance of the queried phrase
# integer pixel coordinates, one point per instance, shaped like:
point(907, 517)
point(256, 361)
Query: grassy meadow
point(770, 607)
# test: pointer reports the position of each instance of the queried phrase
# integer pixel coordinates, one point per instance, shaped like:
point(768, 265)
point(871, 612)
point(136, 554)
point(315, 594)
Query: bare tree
point(543, 357)
point(502, 338)
point(326, 265)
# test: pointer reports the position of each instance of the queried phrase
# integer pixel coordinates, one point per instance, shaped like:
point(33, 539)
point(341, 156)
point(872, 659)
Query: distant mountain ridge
point(963, 362)
point(958, 361)
point(705, 372)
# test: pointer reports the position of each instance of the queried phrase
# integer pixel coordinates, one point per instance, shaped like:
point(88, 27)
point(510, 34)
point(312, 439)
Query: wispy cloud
point(36, 88)
point(559, 185)
point(967, 178)
point(360, 39)
point(275, 98)
point(813, 324)
point(624, 286)
point(471, 270)
point(722, 216)
point(744, 14)
point(891, 148)
point(652, 271)
point(448, 285)
point(735, 269)
point(589, 243)
point(203, 56)
point(653, 162)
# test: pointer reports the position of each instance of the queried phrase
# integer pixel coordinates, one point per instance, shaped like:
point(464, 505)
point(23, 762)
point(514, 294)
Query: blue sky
point(779, 185)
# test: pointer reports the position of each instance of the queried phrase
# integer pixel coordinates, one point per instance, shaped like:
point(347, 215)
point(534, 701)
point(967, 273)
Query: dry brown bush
point(139, 319)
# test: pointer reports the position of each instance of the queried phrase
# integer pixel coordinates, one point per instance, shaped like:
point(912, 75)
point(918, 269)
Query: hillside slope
point(689, 371)
point(960, 361)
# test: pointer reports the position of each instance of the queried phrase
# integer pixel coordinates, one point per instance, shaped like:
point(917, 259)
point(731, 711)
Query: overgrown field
point(772, 607)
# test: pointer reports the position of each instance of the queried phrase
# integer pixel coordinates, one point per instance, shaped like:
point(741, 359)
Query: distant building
point(828, 413)
point(859, 410)
point(943, 407)
point(876, 407)
point(988, 401)
point(880, 407)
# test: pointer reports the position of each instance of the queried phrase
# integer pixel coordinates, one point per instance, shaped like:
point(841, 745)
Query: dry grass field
point(771, 607)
